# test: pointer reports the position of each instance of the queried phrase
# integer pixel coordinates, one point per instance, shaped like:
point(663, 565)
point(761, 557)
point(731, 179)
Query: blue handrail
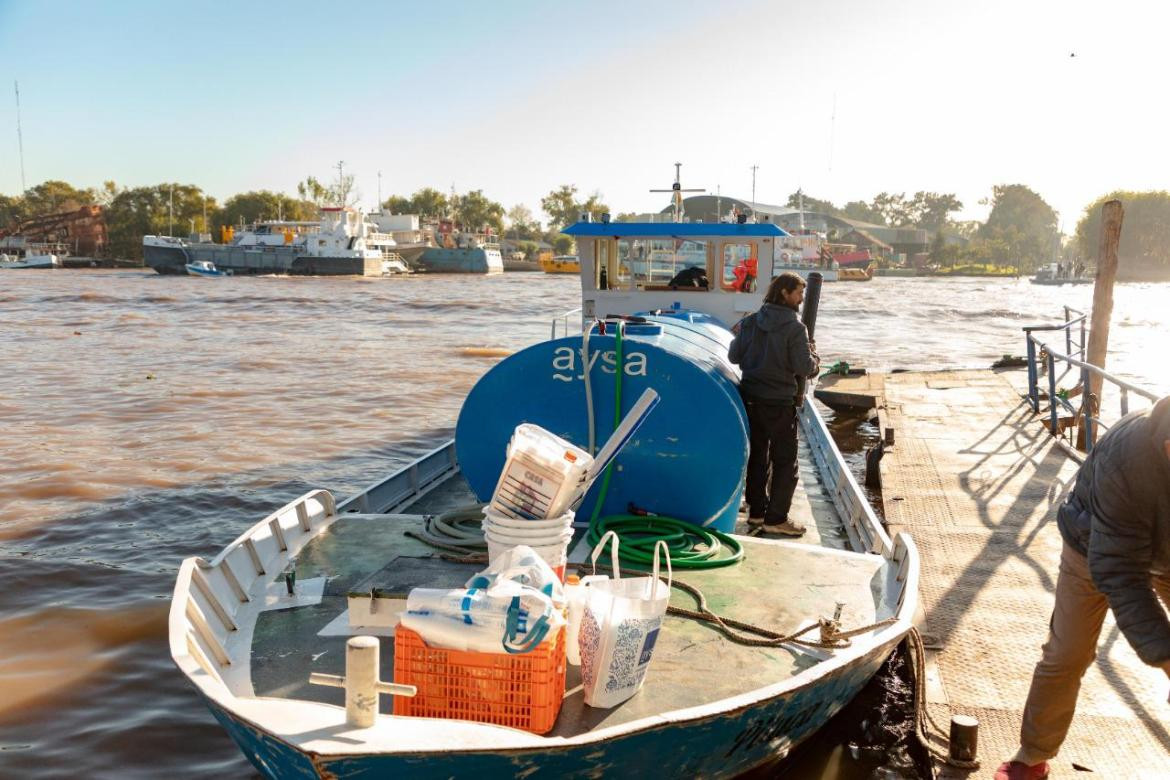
point(1087, 414)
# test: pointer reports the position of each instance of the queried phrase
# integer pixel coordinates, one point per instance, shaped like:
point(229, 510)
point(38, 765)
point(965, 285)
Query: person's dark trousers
point(773, 448)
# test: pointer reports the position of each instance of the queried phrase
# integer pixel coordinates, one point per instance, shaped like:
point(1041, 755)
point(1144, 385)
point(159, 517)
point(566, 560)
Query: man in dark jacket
point(772, 348)
point(1116, 555)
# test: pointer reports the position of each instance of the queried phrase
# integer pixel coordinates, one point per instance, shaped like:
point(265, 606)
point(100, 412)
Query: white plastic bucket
point(555, 555)
point(509, 525)
point(532, 540)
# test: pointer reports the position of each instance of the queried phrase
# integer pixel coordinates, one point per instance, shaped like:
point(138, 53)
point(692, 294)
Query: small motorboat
point(204, 268)
point(561, 264)
point(262, 630)
point(1061, 273)
point(30, 261)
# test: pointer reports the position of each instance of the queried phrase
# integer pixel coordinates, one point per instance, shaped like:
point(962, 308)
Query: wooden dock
point(975, 479)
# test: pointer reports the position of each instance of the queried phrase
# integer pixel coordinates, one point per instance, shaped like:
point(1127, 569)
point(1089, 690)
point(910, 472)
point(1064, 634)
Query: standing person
point(1116, 555)
point(772, 348)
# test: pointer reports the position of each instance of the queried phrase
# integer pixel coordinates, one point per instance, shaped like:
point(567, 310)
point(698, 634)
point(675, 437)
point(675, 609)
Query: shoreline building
point(880, 239)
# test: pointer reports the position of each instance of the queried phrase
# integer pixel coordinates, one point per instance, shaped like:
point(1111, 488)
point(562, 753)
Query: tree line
point(1021, 228)
point(175, 208)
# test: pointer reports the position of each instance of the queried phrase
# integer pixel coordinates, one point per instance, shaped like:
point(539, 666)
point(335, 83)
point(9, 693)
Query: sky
point(841, 98)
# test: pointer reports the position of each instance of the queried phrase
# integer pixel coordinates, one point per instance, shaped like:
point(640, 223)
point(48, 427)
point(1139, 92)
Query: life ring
point(784, 256)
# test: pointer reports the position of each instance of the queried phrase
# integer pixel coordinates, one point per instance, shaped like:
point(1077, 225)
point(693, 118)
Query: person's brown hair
point(785, 282)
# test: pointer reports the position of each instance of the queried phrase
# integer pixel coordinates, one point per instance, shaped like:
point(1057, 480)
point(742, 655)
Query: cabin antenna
point(19, 137)
point(677, 191)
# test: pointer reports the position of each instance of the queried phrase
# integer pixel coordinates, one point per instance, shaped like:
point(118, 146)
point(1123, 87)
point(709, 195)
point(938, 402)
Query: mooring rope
point(925, 727)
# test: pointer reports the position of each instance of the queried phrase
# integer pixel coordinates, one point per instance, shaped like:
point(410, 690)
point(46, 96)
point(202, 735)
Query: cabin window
point(654, 263)
point(739, 271)
point(605, 264)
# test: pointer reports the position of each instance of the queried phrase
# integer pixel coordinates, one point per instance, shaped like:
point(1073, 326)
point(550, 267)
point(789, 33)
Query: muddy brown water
point(144, 419)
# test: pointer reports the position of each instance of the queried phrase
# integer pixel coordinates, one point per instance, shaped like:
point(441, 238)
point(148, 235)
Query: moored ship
point(342, 242)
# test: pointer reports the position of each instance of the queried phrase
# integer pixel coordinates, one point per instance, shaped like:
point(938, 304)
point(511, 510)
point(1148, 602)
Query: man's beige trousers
point(1072, 645)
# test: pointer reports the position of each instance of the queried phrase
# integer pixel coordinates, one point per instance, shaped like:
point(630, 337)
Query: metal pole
point(1033, 392)
point(1052, 394)
point(1112, 215)
point(171, 212)
point(1087, 406)
point(19, 137)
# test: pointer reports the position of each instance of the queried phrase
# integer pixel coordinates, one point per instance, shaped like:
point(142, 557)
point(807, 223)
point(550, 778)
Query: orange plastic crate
point(522, 691)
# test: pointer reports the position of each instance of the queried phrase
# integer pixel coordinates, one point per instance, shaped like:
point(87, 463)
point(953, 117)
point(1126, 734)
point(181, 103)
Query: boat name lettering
point(565, 360)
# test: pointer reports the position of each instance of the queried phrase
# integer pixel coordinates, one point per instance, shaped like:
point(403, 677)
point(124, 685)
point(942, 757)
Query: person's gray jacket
point(772, 349)
point(1118, 516)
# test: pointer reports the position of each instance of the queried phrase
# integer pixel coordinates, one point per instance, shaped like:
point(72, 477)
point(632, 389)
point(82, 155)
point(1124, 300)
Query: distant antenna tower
point(677, 190)
point(341, 183)
point(19, 137)
point(754, 169)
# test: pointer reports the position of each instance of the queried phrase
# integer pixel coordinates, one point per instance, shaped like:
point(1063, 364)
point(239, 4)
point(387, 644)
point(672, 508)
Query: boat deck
point(782, 584)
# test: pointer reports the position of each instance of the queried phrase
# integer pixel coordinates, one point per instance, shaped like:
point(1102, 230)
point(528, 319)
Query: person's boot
point(787, 528)
point(1018, 770)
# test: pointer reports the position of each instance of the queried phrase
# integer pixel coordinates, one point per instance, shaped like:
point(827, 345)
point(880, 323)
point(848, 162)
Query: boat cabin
point(719, 269)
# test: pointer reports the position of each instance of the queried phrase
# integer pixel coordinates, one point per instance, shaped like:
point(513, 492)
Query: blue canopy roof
point(674, 229)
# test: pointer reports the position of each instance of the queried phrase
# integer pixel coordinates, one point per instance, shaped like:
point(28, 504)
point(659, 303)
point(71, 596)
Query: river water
point(144, 419)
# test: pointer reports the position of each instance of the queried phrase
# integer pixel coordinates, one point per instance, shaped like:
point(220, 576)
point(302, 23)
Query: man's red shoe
point(1018, 770)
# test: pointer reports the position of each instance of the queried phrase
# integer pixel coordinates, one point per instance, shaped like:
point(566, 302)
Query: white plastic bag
point(619, 626)
point(523, 565)
point(510, 607)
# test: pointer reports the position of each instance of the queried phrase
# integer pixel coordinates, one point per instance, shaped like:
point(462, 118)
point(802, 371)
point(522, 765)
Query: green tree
point(399, 204)
point(52, 196)
point(521, 223)
point(475, 211)
point(796, 200)
point(894, 208)
point(259, 205)
point(562, 244)
point(340, 193)
point(626, 216)
point(561, 206)
point(595, 205)
point(529, 248)
point(134, 213)
point(932, 211)
point(11, 210)
point(431, 203)
point(1021, 225)
point(863, 212)
point(1145, 233)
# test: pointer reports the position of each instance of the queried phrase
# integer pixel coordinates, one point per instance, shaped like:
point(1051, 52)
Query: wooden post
point(1111, 217)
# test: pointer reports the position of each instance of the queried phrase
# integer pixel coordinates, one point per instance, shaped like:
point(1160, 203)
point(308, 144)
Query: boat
point(855, 274)
point(457, 251)
point(203, 268)
point(803, 251)
point(33, 259)
point(1062, 273)
point(561, 264)
point(260, 629)
point(338, 243)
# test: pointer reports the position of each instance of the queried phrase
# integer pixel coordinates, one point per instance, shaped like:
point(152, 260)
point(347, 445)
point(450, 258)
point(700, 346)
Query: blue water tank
point(686, 461)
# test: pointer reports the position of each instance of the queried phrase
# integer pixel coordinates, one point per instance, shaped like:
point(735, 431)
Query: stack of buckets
point(542, 478)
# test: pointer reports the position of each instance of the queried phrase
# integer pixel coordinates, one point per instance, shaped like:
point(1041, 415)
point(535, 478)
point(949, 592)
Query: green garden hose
point(691, 546)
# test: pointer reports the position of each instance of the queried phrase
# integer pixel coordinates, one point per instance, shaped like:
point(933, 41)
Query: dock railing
point(1086, 421)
